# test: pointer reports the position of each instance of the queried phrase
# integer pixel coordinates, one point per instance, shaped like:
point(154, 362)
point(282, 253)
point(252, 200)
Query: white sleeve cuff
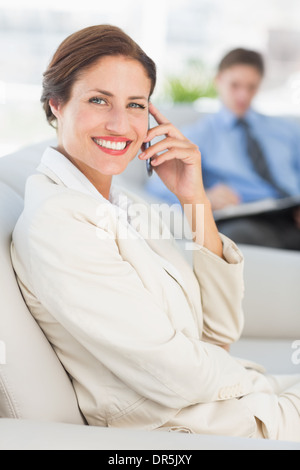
point(231, 252)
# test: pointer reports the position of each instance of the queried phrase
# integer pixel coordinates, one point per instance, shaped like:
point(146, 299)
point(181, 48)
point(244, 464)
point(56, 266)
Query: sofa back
point(33, 383)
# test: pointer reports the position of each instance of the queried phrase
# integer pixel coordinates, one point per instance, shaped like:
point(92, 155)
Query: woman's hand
point(179, 166)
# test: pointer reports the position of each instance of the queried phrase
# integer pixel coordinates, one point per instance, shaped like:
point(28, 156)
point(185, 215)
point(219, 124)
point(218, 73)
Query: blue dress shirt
point(225, 160)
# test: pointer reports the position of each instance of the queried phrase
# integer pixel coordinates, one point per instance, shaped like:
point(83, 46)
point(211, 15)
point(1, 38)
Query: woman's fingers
point(165, 127)
point(187, 155)
point(173, 145)
point(167, 144)
point(158, 116)
point(164, 130)
point(175, 153)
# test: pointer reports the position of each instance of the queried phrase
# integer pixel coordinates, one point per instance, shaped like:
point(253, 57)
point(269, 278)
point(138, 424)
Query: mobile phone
point(146, 146)
point(148, 161)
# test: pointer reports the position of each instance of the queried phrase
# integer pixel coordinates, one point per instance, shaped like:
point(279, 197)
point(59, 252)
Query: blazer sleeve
point(221, 284)
point(98, 297)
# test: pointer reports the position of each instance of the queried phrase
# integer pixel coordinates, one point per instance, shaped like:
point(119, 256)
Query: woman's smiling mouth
point(112, 145)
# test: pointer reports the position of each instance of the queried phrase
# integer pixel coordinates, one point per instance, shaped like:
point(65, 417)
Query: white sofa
point(38, 407)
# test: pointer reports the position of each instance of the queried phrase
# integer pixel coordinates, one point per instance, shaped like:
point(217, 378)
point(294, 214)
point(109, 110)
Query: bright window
point(173, 33)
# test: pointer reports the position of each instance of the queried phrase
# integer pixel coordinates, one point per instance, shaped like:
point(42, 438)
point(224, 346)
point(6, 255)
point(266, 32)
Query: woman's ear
point(55, 107)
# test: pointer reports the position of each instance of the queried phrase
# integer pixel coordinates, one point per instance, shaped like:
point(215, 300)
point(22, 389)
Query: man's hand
point(222, 196)
point(297, 217)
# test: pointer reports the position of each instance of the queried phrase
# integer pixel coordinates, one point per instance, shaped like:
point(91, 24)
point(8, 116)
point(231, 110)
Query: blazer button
point(225, 393)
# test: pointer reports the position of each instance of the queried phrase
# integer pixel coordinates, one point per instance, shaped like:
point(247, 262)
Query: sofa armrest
point(34, 435)
point(272, 294)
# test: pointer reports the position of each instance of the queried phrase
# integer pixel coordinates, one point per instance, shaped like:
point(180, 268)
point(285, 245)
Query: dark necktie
point(258, 159)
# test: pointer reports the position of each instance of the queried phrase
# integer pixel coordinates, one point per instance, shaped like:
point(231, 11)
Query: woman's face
point(105, 121)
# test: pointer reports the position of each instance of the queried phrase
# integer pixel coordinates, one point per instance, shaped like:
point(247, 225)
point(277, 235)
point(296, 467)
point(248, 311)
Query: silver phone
point(148, 161)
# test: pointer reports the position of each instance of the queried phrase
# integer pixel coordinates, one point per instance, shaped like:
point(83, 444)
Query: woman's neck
point(101, 182)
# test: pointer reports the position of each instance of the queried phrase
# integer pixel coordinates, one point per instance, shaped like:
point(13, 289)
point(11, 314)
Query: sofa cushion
point(15, 168)
point(32, 435)
point(272, 295)
point(277, 356)
point(33, 383)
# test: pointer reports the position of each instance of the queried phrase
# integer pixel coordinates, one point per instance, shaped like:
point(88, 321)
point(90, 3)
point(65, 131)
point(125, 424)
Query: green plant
point(191, 85)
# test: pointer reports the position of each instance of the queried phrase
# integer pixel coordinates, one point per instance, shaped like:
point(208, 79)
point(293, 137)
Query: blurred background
point(186, 38)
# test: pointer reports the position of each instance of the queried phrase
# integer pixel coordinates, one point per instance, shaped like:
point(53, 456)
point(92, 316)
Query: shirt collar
point(228, 119)
point(119, 200)
point(72, 177)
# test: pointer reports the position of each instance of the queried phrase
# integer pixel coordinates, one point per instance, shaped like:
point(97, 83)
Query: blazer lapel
point(158, 237)
point(145, 222)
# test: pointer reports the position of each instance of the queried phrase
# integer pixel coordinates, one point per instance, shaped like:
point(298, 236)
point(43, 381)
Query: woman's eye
point(136, 105)
point(97, 100)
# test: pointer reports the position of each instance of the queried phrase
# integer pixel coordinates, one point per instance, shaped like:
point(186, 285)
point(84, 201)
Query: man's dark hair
point(242, 57)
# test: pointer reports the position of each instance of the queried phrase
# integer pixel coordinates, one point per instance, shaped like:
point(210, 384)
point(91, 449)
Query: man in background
point(247, 156)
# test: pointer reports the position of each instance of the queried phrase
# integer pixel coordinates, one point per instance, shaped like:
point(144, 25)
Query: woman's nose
point(117, 122)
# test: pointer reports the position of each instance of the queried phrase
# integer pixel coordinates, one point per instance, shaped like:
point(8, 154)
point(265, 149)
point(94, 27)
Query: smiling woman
point(143, 336)
point(81, 50)
point(95, 126)
point(96, 90)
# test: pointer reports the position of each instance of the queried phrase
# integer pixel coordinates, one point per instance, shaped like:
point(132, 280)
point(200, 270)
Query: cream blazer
point(136, 327)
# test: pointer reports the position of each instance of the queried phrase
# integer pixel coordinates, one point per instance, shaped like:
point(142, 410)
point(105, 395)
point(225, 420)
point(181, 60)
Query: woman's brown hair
point(81, 50)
